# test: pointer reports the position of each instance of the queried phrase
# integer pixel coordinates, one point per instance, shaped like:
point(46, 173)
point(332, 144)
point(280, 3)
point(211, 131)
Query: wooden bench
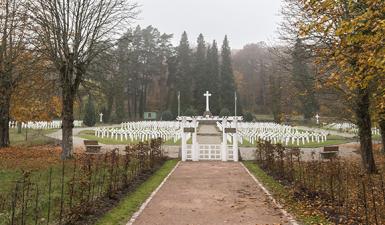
point(92, 146)
point(329, 152)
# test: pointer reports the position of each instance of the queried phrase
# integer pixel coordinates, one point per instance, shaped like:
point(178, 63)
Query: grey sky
point(244, 21)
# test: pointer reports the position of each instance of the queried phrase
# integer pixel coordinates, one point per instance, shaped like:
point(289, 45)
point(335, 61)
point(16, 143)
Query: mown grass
point(131, 203)
point(331, 140)
point(285, 197)
point(90, 135)
point(40, 178)
point(29, 137)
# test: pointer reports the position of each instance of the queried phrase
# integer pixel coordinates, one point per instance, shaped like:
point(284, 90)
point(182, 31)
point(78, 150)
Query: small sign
point(189, 130)
point(230, 130)
point(150, 116)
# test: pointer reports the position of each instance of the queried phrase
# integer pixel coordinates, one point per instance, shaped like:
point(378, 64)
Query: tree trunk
point(365, 130)
point(381, 124)
point(67, 122)
point(5, 103)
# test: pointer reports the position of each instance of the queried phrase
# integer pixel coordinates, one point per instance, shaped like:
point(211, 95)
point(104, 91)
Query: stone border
point(144, 205)
point(279, 206)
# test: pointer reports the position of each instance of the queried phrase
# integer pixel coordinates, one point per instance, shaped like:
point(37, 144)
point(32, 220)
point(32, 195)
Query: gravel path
point(208, 193)
point(208, 134)
point(78, 142)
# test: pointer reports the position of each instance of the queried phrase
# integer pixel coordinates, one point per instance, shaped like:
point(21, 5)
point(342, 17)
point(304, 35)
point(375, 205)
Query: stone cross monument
point(207, 112)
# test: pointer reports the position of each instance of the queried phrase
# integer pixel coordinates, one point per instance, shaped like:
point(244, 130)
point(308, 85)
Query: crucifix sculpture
point(207, 95)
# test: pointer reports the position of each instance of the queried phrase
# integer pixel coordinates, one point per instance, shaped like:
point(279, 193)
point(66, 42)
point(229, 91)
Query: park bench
point(92, 146)
point(329, 152)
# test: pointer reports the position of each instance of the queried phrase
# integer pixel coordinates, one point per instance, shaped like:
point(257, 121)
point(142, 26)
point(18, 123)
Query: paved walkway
point(78, 142)
point(210, 193)
point(208, 134)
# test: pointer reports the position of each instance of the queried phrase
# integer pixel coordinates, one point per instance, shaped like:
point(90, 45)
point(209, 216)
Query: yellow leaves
point(350, 40)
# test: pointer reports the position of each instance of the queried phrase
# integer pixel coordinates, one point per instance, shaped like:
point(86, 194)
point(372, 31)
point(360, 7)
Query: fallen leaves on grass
point(29, 158)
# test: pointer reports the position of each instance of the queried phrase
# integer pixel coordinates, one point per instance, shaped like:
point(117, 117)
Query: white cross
point(207, 95)
point(317, 117)
point(101, 117)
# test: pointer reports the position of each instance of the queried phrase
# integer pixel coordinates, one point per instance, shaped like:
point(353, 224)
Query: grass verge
point(282, 194)
point(131, 203)
point(30, 137)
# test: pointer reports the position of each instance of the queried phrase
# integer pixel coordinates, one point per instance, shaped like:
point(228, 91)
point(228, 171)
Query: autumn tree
point(346, 39)
point(35, 97)
point(250, 66)
point(13, 34)
point(70, 34)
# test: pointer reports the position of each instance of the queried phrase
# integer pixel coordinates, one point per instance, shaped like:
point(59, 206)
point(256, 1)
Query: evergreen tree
point(227, 86)
point(183, 74)
point(90, 114)
point(225, 112)
point(213, 75)
point(199, 75)
point(304, 81)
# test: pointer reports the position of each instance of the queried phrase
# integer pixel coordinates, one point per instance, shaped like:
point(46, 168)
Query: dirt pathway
point(208, 193)
point(208, 134)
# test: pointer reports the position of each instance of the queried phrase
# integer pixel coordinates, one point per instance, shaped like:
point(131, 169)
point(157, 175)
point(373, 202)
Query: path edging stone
point(144, 205)
point(272, 199)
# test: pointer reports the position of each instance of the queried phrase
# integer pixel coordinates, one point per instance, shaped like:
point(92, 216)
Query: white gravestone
point(101, 117)
point(317, 118)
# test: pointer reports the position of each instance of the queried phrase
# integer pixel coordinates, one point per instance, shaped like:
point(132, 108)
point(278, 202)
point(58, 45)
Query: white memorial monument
point(207, 112)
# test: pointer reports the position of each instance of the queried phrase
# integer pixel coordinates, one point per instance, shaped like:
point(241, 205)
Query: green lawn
point(284, 196)
point(29, 137)
point(89, 134)
point(40, 177)
point(376, 137)
point(332, 140)
point(131, 203)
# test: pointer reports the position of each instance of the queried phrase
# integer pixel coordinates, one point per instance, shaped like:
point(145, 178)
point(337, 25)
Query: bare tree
point(71, 33)
point(13, 23)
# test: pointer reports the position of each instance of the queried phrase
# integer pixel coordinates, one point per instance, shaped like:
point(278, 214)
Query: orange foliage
point(34, 97)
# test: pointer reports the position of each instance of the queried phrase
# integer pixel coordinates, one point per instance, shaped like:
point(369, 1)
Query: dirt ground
point(208, 193)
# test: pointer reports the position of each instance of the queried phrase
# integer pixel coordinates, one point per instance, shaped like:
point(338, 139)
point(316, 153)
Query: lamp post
point(235, 103)
point(178, 103)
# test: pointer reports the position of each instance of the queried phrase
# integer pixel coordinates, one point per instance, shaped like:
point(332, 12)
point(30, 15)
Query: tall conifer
point(183, 74)
point(227, 87)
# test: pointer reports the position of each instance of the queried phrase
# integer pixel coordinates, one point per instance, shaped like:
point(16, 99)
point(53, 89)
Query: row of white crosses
point(43, 125)
point(142, 131)
point(276, 133)
point(349, 128)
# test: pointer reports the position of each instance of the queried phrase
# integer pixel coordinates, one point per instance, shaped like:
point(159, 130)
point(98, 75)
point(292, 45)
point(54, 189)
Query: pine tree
point(227, 86)
point(304, 81)
point(213, 75)
point(183, 74)
point(90, 114)
point(199, 75)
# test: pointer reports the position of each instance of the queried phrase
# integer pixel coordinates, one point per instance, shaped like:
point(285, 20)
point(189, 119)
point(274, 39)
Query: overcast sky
point(244, 21)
